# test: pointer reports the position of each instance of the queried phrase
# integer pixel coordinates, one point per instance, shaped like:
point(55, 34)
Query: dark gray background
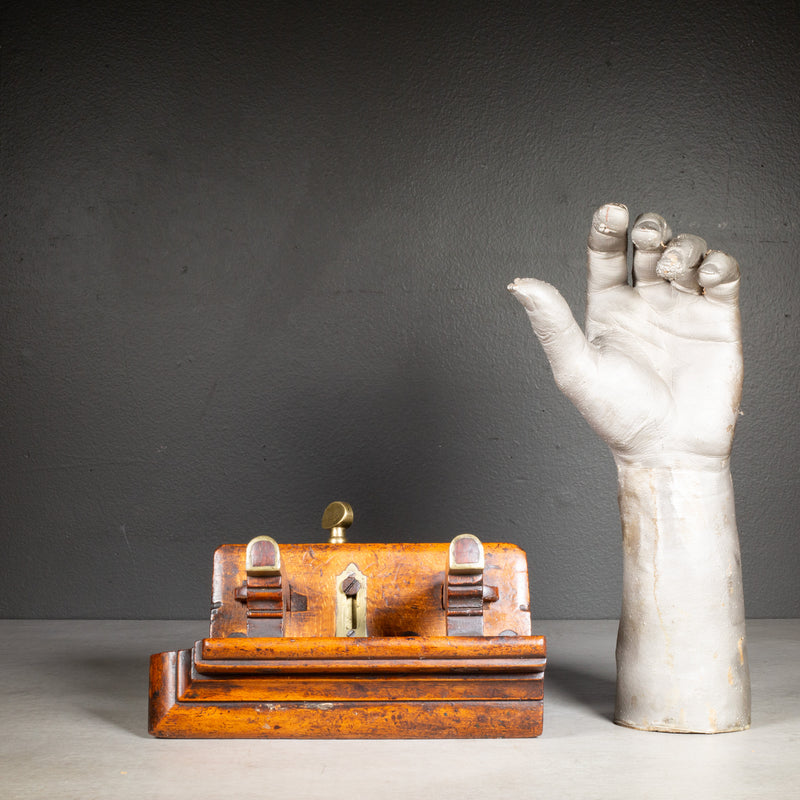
point(254, 259)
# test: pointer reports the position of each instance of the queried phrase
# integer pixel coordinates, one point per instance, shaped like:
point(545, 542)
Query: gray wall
point(254, 260)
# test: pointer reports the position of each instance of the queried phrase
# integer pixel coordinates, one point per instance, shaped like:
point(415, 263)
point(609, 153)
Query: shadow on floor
point(595, 692)
point(114, 688)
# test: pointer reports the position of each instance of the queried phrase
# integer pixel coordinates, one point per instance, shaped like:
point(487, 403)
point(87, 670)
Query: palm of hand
point(658, 375)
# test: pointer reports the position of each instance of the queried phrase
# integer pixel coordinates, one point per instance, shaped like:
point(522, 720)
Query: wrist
point(664, 462)
point(681, 649)
point(675, 500)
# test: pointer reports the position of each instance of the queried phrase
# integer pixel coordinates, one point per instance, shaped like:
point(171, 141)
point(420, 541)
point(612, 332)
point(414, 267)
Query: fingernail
point(611, 218)
point(650, 232)
point(681, 255)
point(717, 268)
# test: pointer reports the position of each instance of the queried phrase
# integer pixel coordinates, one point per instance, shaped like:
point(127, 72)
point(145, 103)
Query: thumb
point(572, 359)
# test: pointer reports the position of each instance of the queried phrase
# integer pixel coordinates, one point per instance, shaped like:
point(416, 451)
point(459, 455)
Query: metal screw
point(351, 586)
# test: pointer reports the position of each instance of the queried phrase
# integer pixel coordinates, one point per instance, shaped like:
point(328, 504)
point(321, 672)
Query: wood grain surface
point(273, 668)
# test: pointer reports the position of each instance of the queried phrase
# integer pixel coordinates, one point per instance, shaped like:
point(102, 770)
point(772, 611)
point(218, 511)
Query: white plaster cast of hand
point(658, 376)
point(659, 373)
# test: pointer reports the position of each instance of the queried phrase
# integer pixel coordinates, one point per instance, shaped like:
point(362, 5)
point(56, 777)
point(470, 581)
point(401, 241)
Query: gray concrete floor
point(73, 717)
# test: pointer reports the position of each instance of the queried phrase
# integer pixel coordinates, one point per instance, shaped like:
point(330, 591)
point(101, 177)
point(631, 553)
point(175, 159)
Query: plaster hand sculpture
point(658, 376)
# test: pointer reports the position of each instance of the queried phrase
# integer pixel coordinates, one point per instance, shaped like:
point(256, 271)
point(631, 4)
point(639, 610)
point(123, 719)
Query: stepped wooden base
point(338, 688)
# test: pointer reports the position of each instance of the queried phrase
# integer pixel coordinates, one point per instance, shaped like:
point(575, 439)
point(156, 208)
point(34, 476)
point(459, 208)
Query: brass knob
point(336, 518)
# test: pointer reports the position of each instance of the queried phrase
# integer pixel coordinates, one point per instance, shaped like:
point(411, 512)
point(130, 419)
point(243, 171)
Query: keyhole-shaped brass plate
point(351, 602)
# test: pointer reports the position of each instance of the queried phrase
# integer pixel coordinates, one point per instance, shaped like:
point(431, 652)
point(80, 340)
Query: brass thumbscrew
point(336, 518)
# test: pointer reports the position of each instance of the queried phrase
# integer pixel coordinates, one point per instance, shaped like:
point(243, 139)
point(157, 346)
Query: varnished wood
point(350, 719)
point(272, 667)
point(227, 656)
point(375, 648)
point(375, 687)
point(404, 594)
point(264, 602)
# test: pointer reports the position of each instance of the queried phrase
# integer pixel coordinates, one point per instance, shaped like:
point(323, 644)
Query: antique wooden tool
point(343, 640)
